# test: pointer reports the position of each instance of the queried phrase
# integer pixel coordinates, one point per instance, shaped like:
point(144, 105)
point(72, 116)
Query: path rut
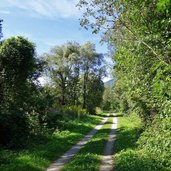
point(65, 158)
point(107, 158)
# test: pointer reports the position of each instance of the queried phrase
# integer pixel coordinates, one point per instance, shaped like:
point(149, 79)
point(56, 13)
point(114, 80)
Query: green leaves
point(18, 69)
point(76, 73)
point(164, 5)
point(156, 142)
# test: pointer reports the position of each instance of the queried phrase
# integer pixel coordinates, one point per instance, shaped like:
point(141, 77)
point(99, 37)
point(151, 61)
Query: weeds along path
point(107, 158)
point(59, 164)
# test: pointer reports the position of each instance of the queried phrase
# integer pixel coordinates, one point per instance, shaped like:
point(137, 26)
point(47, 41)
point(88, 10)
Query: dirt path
point(59, 164)
point(107, 158)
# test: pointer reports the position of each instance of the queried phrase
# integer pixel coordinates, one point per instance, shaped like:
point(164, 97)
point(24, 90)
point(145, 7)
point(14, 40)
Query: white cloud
point(5, 12)
point(48, 8)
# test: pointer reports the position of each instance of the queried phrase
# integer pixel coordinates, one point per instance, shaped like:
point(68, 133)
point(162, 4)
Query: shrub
point(136, 160)
point(99, 110)
point(13, 128)
point(156, 141)
point(51, 119)
point(74, 111)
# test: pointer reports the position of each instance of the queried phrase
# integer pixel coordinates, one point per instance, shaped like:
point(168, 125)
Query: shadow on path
point(65, 158)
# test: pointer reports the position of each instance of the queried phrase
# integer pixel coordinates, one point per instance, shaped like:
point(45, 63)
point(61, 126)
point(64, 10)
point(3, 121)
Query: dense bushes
point(13, 127)
point(139, 32)
point(141, 148)
point(156, 141)
point(24, 105)
point(137, 160)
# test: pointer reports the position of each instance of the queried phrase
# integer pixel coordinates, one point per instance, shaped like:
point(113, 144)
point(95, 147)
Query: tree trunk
point(85, 90)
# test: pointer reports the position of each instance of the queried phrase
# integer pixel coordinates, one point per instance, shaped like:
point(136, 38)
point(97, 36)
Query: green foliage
point(139, 31)
point(26, 108)
point(76, 75)
point(156, 141)
point(107, 98)
point(148, 150)
point(95, 89)
point(41, 150)
point(99, 111)
point(137, 160)
point(74, 112)
point(92, 68)
point(18, 68)
point(63, 69)
point(13, 128)
point(89, 158)
point(164, 5)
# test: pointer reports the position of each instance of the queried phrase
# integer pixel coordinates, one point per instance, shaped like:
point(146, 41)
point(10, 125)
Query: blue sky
point(46, 23)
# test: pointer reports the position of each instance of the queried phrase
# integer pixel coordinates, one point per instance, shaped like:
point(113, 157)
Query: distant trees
point(63, 69)
point(94, 93)
point(92, 72)
point(109, 99)
point(76, 72)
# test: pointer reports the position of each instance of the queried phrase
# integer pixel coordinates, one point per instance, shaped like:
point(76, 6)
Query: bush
point(13, 128)
point(51, 120)
point(74, 112)
point(99, 110)
point(133, 160)
point(156, 141)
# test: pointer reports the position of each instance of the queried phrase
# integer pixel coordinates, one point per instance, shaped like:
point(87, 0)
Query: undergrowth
point(40, 151)
point(143, 150)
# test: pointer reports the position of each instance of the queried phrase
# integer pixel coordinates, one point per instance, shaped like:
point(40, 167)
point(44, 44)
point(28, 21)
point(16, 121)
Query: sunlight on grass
point(89, 158)
point(41, 151)
point(127, 154)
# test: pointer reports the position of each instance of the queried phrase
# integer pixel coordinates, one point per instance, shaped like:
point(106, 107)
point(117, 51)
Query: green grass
point(42, 150)
point(128, 155)
point(89, 158)
point(128, 132)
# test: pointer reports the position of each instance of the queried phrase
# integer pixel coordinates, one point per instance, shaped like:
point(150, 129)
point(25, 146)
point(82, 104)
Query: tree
point(108, 99)
point(73, 70)
point(63, 65)
point(91, 63)
point(95, 89)
point(18, 70)
point(140, 33)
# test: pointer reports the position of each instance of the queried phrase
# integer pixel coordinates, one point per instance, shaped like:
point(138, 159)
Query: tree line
point(26, 107)
point(139, 34)
point(76, 74)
